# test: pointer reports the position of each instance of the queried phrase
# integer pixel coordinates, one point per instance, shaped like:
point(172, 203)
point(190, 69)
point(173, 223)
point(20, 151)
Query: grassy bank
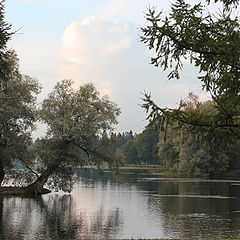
point(12, 191)
point(231, 175)
point(142, 166)
point(162, 239)
point(17, 191)
point(176, 174)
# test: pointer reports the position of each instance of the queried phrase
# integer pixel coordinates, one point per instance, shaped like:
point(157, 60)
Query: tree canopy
point(77, 121)
point(17, 103)
point(184, 151)
point(211, 42)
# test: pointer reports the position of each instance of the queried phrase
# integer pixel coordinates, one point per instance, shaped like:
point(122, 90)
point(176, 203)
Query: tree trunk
point(36, 188)
point(1, 220)
point(2, 173)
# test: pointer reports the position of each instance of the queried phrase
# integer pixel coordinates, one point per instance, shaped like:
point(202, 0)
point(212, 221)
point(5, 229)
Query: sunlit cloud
point(116, 47)
point(89, 46)
point(103, 49)
point(109, 54)
point(112, 8)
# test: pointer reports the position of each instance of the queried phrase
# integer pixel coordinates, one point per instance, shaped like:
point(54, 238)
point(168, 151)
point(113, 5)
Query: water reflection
point(53, 218)
point(138, 204)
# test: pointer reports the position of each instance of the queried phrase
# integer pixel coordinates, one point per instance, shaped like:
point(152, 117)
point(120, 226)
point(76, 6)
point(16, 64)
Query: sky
point(95, 41)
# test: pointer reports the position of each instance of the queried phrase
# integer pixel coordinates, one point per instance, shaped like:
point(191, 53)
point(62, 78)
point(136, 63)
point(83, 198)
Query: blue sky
point(95, 41)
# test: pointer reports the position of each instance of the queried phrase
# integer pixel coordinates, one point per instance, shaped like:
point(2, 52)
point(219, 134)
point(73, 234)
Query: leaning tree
point(76, 120)
point(211, 42)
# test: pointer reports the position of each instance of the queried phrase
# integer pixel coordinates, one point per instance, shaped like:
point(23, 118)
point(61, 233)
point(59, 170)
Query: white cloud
point(113, 7)
point(130, 10)
point(108, 53)
point(101, 49)
point(88, 46)
point(116, 47)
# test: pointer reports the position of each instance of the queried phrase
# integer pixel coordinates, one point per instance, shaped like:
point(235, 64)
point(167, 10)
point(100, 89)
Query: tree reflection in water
point(135, 204)
point(56, 217)
point(1, 220)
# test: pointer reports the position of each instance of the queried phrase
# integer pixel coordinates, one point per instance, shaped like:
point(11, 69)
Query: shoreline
point(18, 191)
point(231, 177)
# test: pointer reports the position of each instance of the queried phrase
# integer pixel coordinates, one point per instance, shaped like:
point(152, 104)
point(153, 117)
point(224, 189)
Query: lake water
point(133, 204)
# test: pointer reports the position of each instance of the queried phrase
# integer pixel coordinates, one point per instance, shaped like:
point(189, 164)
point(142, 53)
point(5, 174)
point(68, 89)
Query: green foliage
point(143, 148)
point(130, 152)
point(17, 113)
point(68, 112)
point(5, 33)
point(17, 104)
point(167, 152)
point(234, 153)
point(119, 157)
point(79, 123)
point(196, 158)
point(146, 146)
point(121, 138)
point(5, 64)
point(184, 151)
point(212, 43)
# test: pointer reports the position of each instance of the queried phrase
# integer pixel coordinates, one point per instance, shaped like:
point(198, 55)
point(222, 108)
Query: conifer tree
point(211, 42)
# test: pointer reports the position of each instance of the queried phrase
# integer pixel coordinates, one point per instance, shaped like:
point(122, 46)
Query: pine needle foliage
point(211, 42)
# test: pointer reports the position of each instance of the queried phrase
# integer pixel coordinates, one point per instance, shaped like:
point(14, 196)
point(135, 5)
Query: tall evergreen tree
point(212, 43)
point(17, 103)
point(17, 115)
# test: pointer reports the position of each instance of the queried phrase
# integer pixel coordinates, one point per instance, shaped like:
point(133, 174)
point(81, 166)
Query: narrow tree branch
point(32, 170)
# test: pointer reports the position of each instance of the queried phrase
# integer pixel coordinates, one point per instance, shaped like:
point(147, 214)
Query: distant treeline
point(178, 150)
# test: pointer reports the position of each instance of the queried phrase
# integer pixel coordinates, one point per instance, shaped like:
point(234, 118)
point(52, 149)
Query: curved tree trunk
point(1, 220)
point(36, 188)
point(2, 173)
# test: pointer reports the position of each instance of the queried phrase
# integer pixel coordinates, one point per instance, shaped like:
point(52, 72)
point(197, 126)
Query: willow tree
point(76, 120)
point(211, 42)
point(183, 151)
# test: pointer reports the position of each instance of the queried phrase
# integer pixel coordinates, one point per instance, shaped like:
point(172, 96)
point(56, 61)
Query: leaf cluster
point(211, 43)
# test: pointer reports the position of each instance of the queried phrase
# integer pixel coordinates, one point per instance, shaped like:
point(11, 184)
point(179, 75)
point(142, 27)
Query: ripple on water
point(192, 196)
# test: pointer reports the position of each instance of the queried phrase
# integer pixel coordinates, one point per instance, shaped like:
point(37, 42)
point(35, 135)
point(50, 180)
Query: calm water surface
point(134, 204)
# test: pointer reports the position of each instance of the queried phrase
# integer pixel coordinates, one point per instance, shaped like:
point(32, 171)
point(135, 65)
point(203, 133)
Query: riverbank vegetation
point(197, 138)
point(210, 41)
point(179, 152)
point(77, 121)
point(200, 138)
